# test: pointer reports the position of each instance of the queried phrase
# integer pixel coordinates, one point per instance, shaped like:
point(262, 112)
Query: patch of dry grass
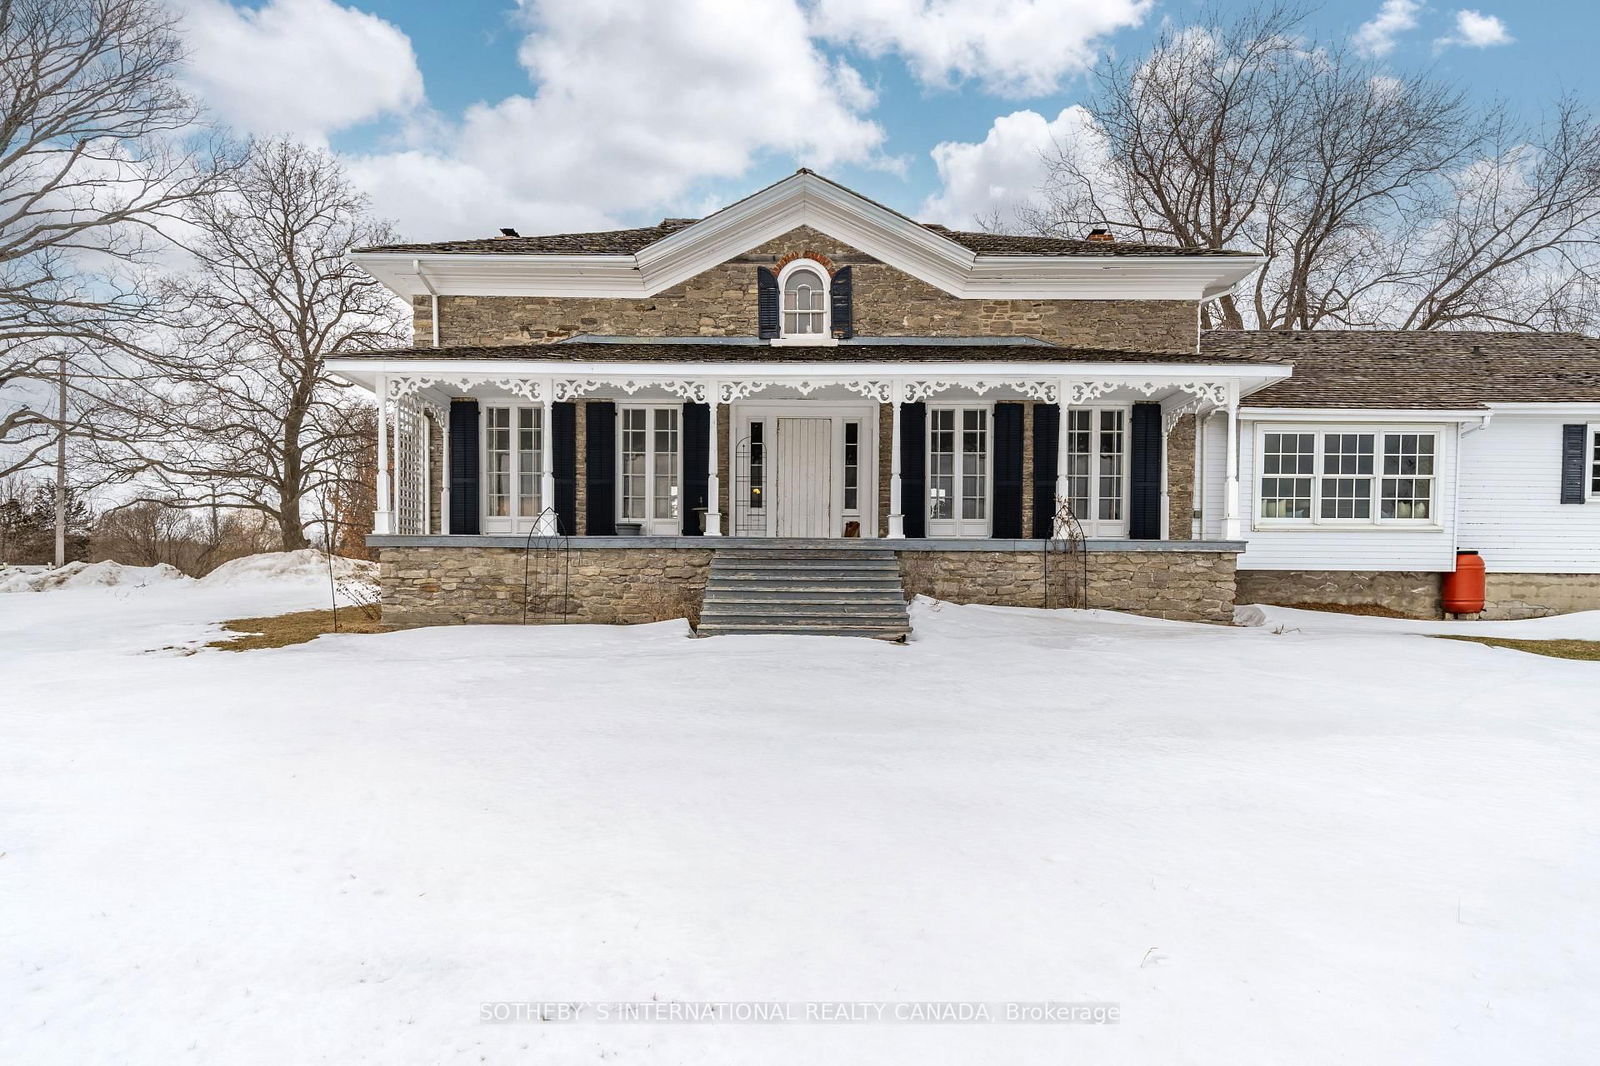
point(279, 631)
point(1557, 649)
point(1369, 610)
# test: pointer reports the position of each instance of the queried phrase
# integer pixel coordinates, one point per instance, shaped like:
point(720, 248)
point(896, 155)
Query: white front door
point(804, 475)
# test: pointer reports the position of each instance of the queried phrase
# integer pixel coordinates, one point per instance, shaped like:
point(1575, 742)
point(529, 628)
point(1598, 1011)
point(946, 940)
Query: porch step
point(805, 591)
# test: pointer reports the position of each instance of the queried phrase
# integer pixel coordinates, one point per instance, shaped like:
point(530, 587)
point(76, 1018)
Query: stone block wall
point(1539, 595)
point(887, 302)
point(1186, 586)
point(1414, 593)
point(452, 586)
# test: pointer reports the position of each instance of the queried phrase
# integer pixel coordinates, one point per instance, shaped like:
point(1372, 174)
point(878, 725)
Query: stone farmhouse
point(797, 412)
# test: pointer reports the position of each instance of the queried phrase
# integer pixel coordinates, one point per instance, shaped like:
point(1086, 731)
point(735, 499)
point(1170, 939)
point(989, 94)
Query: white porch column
point(897, 518)
point(1165, 525)
point(382, 515)
point(713, 481)
point(1197, 498)
point(1232, 530)
point(1063, 488)
point(548, 526)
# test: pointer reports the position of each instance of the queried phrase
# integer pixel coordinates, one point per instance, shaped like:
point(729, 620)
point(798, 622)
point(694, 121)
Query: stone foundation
point(454, 586)
point(474, 584)
point(1189, 586)
point(1414, 593)
point(1539, 595)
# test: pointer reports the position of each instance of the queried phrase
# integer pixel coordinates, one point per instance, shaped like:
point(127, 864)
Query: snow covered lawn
point(1319, 839)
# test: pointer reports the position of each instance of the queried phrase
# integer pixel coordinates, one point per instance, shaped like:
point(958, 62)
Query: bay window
point(1346, 476)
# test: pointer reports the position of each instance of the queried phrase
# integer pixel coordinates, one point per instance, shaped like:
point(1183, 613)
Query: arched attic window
point(803, 286)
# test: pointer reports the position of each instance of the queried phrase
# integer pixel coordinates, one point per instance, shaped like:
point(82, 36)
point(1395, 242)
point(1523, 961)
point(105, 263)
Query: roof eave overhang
point(1364, 414)
point(365, 370)
point(808, 200)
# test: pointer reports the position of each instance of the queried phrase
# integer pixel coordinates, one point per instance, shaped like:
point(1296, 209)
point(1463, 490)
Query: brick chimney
point(1101, 235)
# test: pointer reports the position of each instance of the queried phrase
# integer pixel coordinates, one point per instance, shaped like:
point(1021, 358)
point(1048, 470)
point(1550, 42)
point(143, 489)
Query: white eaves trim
point(804, 199)
point(1361, 414)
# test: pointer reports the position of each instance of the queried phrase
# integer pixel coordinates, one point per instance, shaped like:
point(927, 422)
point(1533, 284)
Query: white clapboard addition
point(1511, 509)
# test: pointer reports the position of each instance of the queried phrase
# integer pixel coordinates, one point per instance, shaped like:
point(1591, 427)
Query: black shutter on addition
point(1574, 445)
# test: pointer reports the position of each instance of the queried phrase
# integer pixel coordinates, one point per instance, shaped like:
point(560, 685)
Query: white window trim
point(514, 522)
point(1377, 522)
point(1591, 460)
point(955, 528)
point(1092, 524)
point(825, 339)
point(649, 526)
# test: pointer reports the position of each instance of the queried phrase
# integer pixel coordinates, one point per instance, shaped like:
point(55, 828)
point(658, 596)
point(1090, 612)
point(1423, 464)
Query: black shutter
point(1574, 443)
point(839, 296)
point(696, 465)
point(1008, 469)
point(914, 468)
point(1046, 442)
point(564, 457)
point(600, 468)
point(464, 464)
point(1144, 481)
point(766, 303)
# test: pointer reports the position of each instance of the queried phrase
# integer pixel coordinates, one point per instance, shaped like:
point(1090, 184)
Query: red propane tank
point(1463, 589)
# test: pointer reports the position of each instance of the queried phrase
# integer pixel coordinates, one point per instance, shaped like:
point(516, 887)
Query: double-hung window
point(1353, 476)
point(1097, 468)
point(648, 458)
point(958, 472)
point(513, 468)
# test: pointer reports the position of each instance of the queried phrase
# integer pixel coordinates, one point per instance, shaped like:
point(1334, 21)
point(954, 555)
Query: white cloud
point(303, 67)
point(633, 105)
point(1377, 36)
point(1014, 47)
point(1475, 30)
point(1008, 167)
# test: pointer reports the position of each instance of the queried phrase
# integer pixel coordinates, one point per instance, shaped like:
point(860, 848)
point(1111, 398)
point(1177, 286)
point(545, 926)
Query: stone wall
point(1414, 593)
point(1539, 595)
point(1180, 480)
point(887, 302)
point(1187, 586)
point(425, 586)
point(451, 586)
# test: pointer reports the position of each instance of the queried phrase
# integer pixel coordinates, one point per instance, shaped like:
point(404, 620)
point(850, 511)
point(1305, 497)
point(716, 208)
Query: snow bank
point(1581, 625)
point(297, 567)
point(80, 575)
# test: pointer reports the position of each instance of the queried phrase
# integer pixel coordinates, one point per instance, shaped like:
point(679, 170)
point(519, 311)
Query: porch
point(841, 450)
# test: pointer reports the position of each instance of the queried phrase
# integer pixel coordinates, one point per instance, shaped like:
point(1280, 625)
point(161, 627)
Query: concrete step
point(811, 591)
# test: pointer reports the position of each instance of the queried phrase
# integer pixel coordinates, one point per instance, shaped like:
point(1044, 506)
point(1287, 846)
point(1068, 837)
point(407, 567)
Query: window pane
point(633, 458)
point(665, 458)
point(1110, 447)
point(758, 463)
point(1343, 495)
point(974, 463)
point(1287, 460)
point(1409, 495)
point(852, 466)
point(941, 463)
point(530, 468)
point(497, 459)
point(1079, 431)
point(803, 295)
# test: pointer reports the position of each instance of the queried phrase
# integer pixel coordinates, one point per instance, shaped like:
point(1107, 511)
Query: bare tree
point(245, 413)
point(93, 157)
point(1377, 199)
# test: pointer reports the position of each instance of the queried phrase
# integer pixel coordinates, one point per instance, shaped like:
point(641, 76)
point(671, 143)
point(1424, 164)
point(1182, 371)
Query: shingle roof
point(1450, 370)
point(644, 351)
point(633, 241)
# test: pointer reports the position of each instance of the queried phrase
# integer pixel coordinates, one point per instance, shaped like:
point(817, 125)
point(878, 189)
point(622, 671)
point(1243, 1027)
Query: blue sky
point(464, 116)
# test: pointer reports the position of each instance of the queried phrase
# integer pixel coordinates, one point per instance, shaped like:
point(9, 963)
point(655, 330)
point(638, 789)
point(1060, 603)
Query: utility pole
point(61, 466)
